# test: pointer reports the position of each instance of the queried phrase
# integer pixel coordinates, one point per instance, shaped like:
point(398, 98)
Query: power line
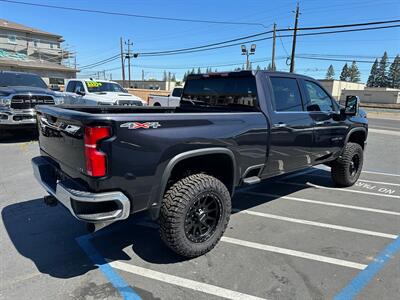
point(131, 15)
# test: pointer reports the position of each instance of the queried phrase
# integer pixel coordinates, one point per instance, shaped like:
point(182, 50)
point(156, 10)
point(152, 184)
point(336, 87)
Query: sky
point(94, 37)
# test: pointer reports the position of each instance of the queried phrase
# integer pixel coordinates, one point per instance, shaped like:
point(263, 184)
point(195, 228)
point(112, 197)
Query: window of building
point(286, 94)
point(35, 43)
point(51, 45)
point(317, 98)
point(12, 39)
point(56, 81)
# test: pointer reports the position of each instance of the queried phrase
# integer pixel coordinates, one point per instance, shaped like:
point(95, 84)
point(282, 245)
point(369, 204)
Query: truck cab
point(172, 100)
point(99, 92)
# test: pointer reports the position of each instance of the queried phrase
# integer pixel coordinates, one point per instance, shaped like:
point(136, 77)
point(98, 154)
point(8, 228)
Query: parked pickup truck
point(171, 100)
point(183, 164)
point(99, 92)
point(19, 95)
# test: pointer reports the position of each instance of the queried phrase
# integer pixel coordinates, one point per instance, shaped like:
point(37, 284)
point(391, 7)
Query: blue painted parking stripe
point(365, 276)
point(116, 280)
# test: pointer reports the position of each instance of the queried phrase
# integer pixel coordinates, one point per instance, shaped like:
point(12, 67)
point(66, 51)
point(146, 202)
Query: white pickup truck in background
point(99, 92)
point(172, 99)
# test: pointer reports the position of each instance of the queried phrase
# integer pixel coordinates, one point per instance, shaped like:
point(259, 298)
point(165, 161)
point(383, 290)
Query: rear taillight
point(96, 161)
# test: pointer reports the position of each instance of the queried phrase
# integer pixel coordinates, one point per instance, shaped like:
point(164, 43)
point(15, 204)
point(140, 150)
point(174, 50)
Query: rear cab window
point(286, 94)
point(222, 92)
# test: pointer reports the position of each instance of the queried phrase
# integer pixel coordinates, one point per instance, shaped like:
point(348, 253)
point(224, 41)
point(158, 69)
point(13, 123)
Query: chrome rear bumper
point(104, 208)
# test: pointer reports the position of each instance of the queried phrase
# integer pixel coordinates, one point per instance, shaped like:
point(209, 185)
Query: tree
point(394, 73)
point(165, 76)
point(354, 73)
point(269, 68)
point(330, 73)
point(185, 76)
point(345, 75)
point(381, 77)
point(193, 71)
point(173, 77)
point(198, 71)
point(258, 68)
point(372, 75)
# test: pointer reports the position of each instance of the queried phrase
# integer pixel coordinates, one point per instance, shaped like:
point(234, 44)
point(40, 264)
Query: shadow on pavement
point(47, 235)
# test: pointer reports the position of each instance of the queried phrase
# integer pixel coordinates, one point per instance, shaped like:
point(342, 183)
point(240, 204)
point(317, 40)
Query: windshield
point(15, 79)
point(96, 86)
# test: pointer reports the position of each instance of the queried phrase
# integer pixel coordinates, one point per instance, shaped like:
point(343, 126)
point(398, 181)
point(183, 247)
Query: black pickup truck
point(183, 164)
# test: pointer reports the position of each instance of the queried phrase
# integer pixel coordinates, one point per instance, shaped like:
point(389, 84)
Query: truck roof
point(18, 73)
point(247, 73)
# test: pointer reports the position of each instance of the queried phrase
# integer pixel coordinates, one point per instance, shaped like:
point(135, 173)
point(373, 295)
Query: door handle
point(280, 125)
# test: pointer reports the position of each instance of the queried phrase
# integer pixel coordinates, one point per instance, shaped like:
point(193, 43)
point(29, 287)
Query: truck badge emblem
point(137, 125)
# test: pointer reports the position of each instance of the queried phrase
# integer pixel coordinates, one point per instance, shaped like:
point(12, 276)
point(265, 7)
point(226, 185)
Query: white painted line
point(318, 224)
point(323, 167)
point(363, 180)
point(381, 173)
point(338, 189)
point(382, 131)
point(182, 282)
point(286, 251)
point(374, 210)
point(290, 252)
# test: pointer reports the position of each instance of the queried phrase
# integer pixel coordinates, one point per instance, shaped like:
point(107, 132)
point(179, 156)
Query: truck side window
point(317, 98)
point(79, 87)
point(286, 94)
point(70, 86)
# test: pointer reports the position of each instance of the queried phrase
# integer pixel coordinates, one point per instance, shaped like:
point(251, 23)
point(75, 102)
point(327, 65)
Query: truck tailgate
point(63, 140)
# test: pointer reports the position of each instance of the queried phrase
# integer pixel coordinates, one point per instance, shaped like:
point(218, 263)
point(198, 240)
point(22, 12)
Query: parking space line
point(318, 224)
point(323, 167)
point(383, 131)
point(327, 176)
point(295, 253)
point(113, 277)
point(364, 277)
point(280, 250)
point(337, 189)
point(182, 282)
point(361, 208)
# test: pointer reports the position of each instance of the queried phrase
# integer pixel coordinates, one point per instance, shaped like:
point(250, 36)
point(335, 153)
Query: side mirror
point(352, 105)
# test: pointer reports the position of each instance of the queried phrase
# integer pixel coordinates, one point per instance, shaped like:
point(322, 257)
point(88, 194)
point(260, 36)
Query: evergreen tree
point(354, 73)
point(330, 73)
point(372, 75)
point(345, 75)
point(269, 68)
point(394, 73)
point(381, 77)
point(173, 77)
point(165, 76)
point(193, 71)
point(258, 68)
point(198, 71)
point(215, 70)
point(184, 76)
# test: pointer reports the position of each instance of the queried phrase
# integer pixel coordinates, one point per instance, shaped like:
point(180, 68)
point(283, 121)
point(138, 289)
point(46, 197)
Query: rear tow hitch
point(50, 200)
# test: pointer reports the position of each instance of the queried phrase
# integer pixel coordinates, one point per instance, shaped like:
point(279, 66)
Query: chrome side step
point(252, 180)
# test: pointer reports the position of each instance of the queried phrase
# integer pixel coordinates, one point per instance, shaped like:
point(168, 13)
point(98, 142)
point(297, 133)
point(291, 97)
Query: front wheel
point(194, 214)
point(347, 169)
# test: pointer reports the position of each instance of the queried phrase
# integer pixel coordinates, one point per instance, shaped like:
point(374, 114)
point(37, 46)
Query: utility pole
point(122, 62)
point(128, 56)
point(294, 39)
point(273, 48)
point(142, 75)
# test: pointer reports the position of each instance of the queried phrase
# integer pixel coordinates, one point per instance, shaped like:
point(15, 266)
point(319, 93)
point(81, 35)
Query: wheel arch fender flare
point(351, 131)
point(157, 198)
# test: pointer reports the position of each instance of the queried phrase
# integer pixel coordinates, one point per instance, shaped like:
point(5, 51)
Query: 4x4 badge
point(137, 125)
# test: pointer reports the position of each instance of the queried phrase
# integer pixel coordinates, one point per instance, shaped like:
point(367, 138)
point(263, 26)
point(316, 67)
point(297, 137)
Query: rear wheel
point(347, 169)
point(157, 104)
point(194, 214)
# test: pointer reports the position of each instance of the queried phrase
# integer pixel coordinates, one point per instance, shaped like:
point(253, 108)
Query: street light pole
point(128, 56)
point(248, 53)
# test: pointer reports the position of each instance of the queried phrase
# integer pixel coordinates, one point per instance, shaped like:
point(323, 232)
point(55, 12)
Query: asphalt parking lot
point(295, 237)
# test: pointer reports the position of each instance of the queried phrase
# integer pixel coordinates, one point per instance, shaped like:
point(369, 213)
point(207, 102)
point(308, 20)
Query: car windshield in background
point(177, 92)
point(96, 87)
point(12, 79)
point(224, 92)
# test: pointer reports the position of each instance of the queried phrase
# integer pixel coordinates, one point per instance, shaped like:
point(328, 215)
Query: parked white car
point(99, 92)
point(170, 100)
